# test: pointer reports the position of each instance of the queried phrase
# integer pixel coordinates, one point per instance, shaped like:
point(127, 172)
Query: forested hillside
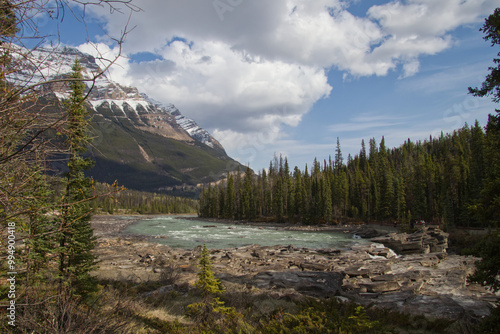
point(444, 180)
point(133, 201)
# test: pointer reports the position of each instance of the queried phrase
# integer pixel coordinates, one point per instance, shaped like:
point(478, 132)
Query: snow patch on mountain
point(189, 125)
point(134, 104)
point(58, 62)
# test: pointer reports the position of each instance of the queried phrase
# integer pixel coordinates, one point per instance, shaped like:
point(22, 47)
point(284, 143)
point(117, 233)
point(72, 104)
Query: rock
point(342, 299)
point(350, 286)
point(318, 284)
point(329, 251)
point(434, 306)
point(159, 291)
point(147, 259)
point(313, 266)
point(430, 262)
point(354, 271)
point(378, 250)
point(161, 260)
point(367, 233)
point(384, 278)
point(376, 287)
point(197, 250)
point(258, 254)
point(429, 239)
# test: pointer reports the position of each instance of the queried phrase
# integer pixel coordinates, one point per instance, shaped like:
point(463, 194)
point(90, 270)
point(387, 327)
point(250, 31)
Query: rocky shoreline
point(425, 281)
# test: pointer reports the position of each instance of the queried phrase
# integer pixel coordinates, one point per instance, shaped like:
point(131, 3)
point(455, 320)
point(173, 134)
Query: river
point(179, 232)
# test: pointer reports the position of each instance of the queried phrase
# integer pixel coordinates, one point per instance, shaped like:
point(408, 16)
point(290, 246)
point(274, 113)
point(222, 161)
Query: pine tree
point(230, 205)
point(287, 190)
point(491, 85)
point(267, 209)
point(362, 157)
point(278, 199)
point(76, 240)
point(490, 195)
point(386, 183)
point(326, 199)
point(247, 198)
point(488, 268)
point(207, 281)
point(211, 289)
point(299, 195)
point(8, 21)
point(339, 160)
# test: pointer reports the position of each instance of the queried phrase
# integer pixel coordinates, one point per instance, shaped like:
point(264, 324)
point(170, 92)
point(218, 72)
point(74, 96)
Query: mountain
point(140, 142)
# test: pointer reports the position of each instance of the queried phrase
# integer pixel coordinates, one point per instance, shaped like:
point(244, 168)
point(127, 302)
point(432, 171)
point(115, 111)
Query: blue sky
point(290, 76)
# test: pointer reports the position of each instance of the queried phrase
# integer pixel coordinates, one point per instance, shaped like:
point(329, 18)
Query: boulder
point(367, 233)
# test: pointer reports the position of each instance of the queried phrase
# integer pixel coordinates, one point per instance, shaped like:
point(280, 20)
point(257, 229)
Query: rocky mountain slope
point(138, 141)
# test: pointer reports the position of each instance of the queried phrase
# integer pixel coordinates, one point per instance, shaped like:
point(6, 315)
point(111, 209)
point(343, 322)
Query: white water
point(179, 232)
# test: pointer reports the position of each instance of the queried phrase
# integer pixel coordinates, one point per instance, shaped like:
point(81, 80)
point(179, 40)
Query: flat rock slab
point(439, 306)
point(313, 283)
point(380, 286)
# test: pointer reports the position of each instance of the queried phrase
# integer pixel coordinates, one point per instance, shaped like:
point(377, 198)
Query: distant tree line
point(447, 180)
point(133, 201)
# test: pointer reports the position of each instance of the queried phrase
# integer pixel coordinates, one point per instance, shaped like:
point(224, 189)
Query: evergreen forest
point(449, 180)
point(140, 202)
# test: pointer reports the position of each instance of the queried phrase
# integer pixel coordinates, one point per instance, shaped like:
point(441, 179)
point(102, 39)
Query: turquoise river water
point(179, 232)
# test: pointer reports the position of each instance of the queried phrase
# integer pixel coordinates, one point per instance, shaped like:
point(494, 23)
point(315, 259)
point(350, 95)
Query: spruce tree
point(491, 85)
point(211, 308)
point(76, 240)
point(299, 195)
point(230, 205)
point(490, 197)
point(488, 268)
point(207, 281)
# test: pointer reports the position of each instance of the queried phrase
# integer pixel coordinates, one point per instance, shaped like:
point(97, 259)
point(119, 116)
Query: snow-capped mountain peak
point(109, 98)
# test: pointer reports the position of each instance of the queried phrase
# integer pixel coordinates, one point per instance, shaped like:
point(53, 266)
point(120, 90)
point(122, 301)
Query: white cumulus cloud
point(245, 68)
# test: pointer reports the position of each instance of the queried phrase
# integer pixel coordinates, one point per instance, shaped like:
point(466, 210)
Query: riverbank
point(113, 225)
point(432, 284)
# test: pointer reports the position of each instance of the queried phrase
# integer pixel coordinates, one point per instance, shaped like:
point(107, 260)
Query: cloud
point(230, 89)
point(428, 18)
point(447, 79)
point(246, 68)
point(320, 33)
point(421, 27)
point(368, 121)
point(109, 57)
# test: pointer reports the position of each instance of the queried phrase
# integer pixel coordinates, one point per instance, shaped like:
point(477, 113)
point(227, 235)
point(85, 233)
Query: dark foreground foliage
point(120, 307)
